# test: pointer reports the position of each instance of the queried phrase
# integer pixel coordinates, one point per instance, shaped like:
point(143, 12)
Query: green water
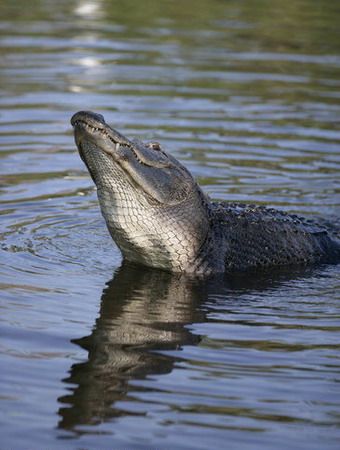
point(100, 355)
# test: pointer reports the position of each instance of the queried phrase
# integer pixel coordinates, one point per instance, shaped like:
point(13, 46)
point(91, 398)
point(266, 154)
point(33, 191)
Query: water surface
point(96, 354)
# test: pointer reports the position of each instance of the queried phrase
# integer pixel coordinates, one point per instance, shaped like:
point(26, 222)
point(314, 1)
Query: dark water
point(99, 355)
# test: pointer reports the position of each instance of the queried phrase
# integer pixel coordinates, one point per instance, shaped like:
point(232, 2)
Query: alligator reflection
point(141, 310)
point(144, 310)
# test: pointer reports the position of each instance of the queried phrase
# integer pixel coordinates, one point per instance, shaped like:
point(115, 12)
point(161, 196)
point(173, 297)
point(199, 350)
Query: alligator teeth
point(117, 147)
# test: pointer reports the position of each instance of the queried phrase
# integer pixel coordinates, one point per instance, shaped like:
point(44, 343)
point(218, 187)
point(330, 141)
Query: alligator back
point(258, 237)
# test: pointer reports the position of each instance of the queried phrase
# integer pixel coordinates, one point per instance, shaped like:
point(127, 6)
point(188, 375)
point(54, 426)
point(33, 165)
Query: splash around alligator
point(159, 216)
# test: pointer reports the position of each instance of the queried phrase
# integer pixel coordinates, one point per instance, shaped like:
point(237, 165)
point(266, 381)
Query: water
point(96, 354)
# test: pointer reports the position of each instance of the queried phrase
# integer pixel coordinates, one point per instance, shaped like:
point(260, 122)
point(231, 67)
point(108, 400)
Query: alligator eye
point(154, 146)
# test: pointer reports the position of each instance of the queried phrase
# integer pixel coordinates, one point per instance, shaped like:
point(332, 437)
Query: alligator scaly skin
point(159, 216)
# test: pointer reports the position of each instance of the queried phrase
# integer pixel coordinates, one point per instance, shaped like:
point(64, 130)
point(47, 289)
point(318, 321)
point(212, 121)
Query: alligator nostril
point(87, 115)
point(95, 116)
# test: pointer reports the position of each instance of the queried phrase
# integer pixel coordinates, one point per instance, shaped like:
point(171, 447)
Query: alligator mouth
point(92, 126)
point(82, 123)
point(96, 130)
point(95, 126)
point(106, 134)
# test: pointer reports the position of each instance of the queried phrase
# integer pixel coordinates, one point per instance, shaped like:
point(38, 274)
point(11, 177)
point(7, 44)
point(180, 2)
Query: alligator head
point(154, 209)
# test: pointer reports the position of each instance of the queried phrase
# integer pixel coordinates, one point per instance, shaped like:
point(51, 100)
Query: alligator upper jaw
point(93, 128)
point(88, 117)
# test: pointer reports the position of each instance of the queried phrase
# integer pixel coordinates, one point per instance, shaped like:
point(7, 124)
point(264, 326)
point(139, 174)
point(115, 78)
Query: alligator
point(159, 216)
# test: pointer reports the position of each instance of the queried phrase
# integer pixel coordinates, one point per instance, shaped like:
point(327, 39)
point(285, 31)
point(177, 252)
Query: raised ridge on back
point(262, 237)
